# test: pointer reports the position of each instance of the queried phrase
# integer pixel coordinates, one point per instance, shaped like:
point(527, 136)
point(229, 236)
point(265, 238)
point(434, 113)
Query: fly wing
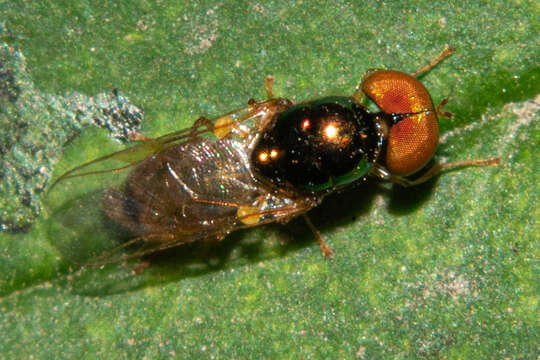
point(238, 122)
point(181, 187)
point(191, 192)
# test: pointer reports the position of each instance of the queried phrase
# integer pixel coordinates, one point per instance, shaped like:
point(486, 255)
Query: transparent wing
point(181, 187)
point(239, 123)
point(191, 192)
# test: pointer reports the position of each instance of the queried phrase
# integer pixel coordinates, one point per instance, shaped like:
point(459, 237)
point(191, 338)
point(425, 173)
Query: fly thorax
point(318, 145)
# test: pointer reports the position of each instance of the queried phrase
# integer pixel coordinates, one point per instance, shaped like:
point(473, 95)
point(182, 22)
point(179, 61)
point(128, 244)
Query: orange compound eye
point(412, 141)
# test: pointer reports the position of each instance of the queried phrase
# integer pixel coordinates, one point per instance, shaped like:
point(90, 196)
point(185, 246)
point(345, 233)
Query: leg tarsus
point(269, 85)
point(447, 51)
point(440, 112)
point(327, 252)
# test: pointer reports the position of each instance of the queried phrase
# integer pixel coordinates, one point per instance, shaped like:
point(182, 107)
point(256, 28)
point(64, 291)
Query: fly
point(268, 162)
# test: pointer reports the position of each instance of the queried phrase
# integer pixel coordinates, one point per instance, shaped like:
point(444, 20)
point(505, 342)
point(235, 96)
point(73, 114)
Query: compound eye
point(413, 141)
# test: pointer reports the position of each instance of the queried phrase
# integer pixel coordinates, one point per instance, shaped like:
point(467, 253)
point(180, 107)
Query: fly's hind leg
point(269, 82)
point(433, 171)
point(225, 125)
point(252, 215)
point(270, 106)
point(199, 123)
point(269, 85)
point(262, 112)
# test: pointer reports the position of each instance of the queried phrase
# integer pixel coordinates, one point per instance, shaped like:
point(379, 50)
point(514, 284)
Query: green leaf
point(447, 269)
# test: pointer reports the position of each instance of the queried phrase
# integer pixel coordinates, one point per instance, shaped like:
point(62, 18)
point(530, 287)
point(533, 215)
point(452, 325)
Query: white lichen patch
point(525, 112)
point(203, 32)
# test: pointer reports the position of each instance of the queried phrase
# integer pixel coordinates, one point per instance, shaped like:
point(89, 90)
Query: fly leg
point(137, 136)
point(432, 172)
point(440, 112)
point(327, 252)
point(150, 244)
point(269, 82)
point(269, 85)
point(200, 122)
point(262, 112)
point(141, 267)
point(271, 106)
point(252, 215)
point(447, 51)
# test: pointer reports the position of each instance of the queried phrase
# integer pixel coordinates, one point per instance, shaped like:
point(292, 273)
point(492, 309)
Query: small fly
point(268, 162)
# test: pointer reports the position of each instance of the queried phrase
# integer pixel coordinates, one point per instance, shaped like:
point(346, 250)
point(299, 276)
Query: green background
point(448, 269)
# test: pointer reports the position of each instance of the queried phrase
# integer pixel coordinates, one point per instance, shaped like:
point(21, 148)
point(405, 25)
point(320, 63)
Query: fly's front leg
point(447, 51)
point(438, 168)
point(440, 107)
point(432, 172)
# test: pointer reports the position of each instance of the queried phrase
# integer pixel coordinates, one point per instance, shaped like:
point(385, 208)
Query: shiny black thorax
point(317, 146)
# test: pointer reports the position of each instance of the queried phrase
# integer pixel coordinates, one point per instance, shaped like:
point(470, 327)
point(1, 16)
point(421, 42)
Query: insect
point(268, 162)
